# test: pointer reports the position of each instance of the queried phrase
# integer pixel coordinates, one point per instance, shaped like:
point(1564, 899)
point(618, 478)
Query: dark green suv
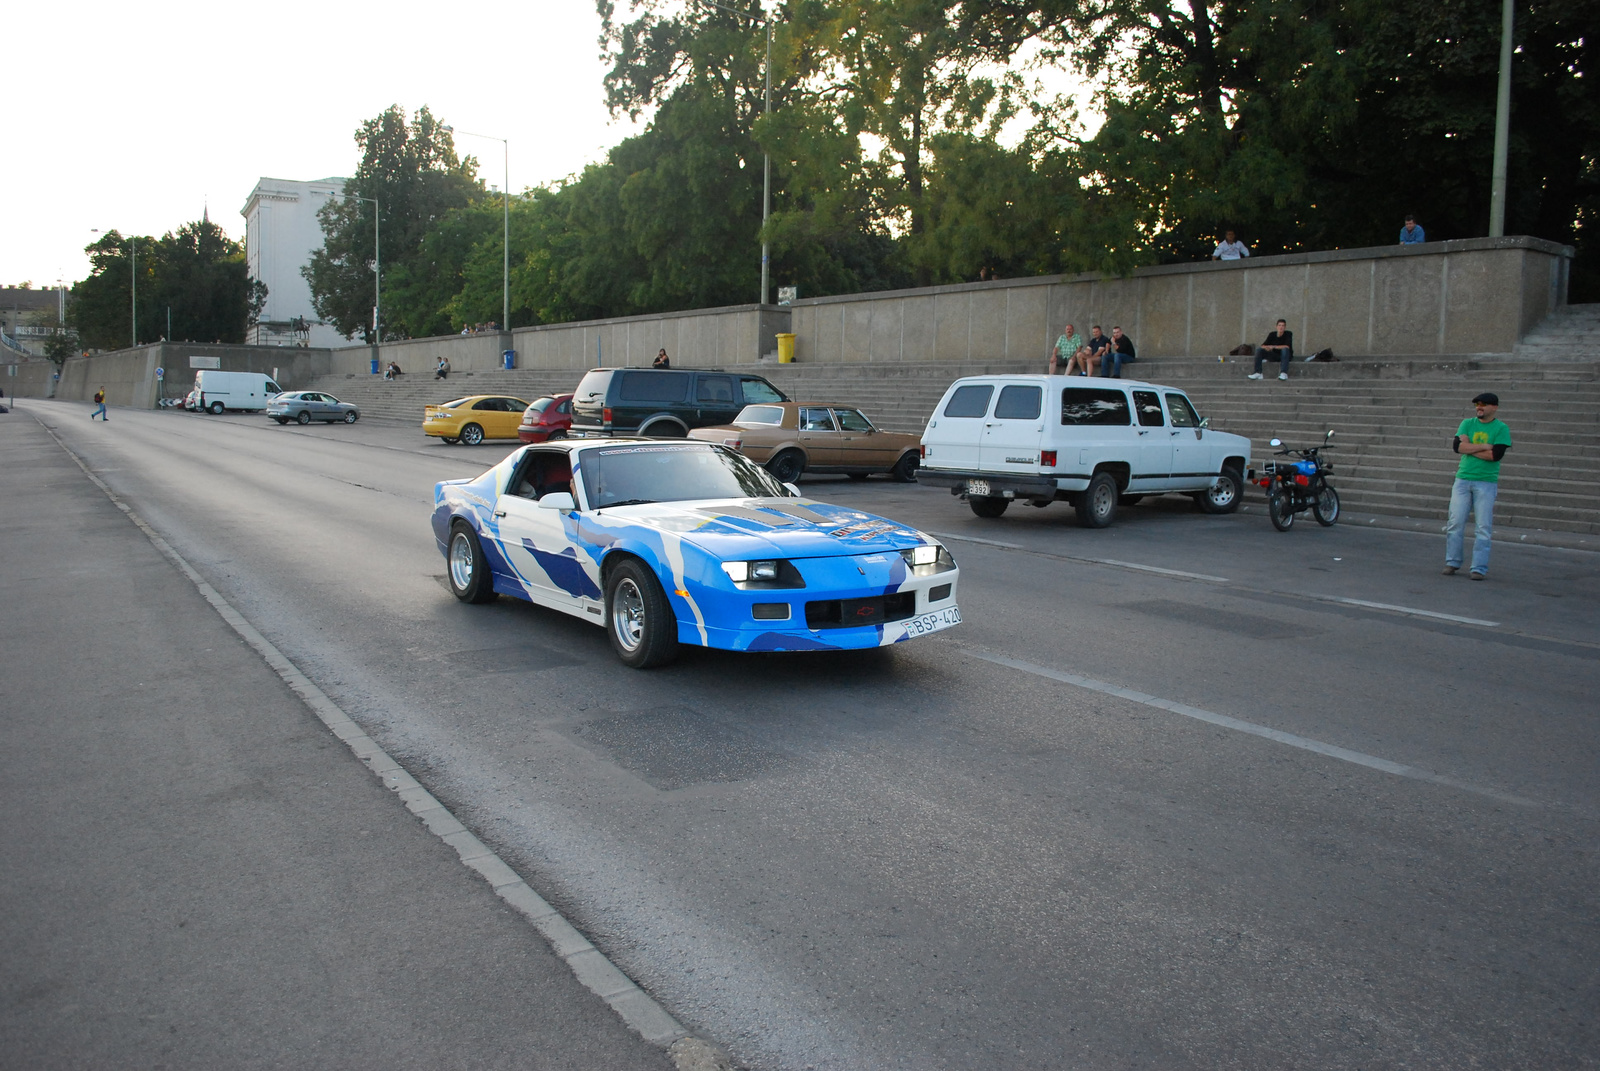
point(663, 402)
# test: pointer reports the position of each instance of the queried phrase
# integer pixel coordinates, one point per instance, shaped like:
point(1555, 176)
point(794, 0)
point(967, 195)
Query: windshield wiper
point(629, 502)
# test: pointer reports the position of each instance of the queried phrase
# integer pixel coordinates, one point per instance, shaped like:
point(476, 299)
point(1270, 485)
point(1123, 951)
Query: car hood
point(770, 527)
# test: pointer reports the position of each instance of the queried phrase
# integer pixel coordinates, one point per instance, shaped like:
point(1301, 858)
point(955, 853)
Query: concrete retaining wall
point(1468, 297)
point(129, 376)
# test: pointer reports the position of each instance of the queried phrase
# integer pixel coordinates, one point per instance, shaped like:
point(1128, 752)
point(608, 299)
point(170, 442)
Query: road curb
point(589, 965)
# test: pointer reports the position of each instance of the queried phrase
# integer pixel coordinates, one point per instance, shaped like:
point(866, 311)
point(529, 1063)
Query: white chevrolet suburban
point(1095, 443)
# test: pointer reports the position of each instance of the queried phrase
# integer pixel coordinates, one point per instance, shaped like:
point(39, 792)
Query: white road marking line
point(1090, 561)
point(588, 964)
point(1304, 743)
point(1410, 611)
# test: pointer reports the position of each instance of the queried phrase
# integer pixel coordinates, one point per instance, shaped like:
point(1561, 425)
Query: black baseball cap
point(1487, 398)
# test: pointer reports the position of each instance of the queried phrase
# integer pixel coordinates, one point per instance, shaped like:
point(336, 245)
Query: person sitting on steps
point(1279, 344)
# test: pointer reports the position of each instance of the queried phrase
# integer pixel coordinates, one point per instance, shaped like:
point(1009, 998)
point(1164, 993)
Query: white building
point(281, 232)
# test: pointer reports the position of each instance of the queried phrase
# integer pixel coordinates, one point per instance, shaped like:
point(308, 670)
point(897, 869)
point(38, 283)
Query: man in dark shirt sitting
point(1119, 354)
point(1279, 344)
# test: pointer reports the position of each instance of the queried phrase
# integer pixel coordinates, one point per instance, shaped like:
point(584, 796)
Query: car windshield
point(671, 472)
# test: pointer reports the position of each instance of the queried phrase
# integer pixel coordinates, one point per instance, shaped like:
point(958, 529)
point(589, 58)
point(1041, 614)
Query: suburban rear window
point(969, 401)
point(1088, 406)
point(1018, 403)
point(653, 387)
point(592, 388)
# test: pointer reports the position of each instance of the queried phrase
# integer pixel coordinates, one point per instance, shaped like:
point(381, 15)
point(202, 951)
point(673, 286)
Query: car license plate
point(939, 619)
point(977, 487)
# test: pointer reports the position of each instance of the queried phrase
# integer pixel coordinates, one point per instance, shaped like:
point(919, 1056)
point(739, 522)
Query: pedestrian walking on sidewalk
point(100, 402)
point(1481, 441)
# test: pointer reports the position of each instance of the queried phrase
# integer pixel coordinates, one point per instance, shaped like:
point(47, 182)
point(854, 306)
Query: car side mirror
point(794, 492)
point(561, 500)
point(1205, 422)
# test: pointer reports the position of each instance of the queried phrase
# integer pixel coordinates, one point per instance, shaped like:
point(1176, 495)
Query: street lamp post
point(1502, 128)
point(505, 200)
point(766, 159)
point(377, 272)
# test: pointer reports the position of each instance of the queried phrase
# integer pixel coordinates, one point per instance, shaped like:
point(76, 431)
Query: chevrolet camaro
point(669, 543)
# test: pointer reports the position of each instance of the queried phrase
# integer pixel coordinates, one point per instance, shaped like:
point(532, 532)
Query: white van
point(1095, 443)
point(219, 391)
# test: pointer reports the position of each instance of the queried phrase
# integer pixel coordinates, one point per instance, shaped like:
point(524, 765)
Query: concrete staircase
point(1394, 416)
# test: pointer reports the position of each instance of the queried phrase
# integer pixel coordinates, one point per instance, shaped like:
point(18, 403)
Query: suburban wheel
point(905, 470)
point(472, 435)
point(215, 408)
point(664, 429)
point(1326, 507)
point(351, 417)
point(281, 419)
point(469, 574)
point(1224, 496)
point(304, 417)
point(1097, 505)
point(1281, 510)
point(787, 466)
point(448, 440)
point(639, 619)
point(988, 505)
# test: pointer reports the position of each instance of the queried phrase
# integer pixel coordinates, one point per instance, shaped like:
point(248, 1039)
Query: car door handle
point(499, 513)
point(1144, 431)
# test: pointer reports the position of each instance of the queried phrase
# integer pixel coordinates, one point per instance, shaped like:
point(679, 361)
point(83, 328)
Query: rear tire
point(1097, 505)
point(905, 470)
point(467, 569)
point(665, 429)
point(215, 408)
point(990, 506)
point(304, 418)
point(639, 621)
point(1281, 509)
point(787, 466)
point(1326, 507)
point(1224, 495)
point(448, 440)
point(471, 435)
point(559, 433)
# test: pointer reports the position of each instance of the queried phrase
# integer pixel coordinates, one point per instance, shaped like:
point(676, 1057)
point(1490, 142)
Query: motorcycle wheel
point(1280, 507)
point(1325, 507)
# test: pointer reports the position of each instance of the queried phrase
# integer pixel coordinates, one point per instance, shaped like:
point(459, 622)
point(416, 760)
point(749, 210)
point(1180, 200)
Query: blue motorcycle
point(1299, 484)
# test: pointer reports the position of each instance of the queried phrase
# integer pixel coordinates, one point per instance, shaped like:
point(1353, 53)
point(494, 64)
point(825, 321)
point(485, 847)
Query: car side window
point(1097, 407)
point(1149, 407)
point(1018, 403)
point(714, 389)
point(759, 390)
point(542, 474)
point(1183, 414)
point(852, 420)
point(815, 420)
point(654, 386)
point(487, 405)
point(971, 400)
point(273, 388)
point(565, 407)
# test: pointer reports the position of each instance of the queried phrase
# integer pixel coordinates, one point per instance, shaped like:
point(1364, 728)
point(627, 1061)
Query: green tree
point(411, 170)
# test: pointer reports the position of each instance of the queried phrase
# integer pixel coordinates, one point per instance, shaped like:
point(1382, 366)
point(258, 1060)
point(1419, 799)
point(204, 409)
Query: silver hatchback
point(304, 406)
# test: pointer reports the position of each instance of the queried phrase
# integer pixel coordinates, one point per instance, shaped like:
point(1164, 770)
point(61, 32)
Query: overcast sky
point(138, 115)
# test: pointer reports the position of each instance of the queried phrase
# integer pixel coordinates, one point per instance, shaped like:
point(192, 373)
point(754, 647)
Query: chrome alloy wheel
point(627, 614)
point(461, 560)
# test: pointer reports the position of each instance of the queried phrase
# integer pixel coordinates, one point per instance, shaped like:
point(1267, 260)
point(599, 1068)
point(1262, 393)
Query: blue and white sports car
point(669, 542)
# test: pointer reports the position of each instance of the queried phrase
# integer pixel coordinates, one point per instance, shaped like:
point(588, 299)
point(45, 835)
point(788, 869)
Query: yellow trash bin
point(785, 348)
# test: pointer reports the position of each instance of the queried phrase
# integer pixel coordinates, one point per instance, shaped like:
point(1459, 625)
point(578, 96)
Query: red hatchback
point(546, 419)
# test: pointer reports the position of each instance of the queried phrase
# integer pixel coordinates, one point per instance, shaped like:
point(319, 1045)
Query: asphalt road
point(1172, 796)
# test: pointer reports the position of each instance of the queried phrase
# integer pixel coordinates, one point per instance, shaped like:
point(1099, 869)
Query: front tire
point(905, 470)
point(1326, 507)
point(472, 435)
point(787, 466)
point(639, 620)
point(989, 506)
point(304, 418)
point(351, 417)
point(469, 572)
point(1280, 507)
point(1223, 496)
point(1097, 505)
point(215, 408)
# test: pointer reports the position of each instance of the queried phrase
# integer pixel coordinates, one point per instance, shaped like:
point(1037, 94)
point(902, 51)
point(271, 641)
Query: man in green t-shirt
point(1481, 441)
point(1066, 351)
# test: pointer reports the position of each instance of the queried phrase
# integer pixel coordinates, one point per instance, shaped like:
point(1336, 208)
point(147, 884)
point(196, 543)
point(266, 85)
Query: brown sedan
point(794, 437)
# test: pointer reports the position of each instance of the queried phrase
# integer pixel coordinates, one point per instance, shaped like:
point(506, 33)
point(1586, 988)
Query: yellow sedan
point(472, 420)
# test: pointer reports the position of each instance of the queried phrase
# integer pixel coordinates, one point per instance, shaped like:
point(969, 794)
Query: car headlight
point(742, 572)
point(928, 558)
point(923, 555)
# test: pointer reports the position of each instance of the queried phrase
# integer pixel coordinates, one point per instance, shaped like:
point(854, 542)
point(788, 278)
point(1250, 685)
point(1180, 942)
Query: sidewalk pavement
point(196, 873)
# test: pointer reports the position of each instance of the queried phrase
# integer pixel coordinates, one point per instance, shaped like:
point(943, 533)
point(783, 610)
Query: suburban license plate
point(939, 619)
point(977, 487)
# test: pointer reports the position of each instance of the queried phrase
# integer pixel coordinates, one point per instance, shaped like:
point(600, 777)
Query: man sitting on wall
point(1120, 353)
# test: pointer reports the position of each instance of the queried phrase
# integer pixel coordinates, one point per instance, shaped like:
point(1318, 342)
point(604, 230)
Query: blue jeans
point(1476, 497)
point(1111, 364)
point(1283, 356)
point(100, 412)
